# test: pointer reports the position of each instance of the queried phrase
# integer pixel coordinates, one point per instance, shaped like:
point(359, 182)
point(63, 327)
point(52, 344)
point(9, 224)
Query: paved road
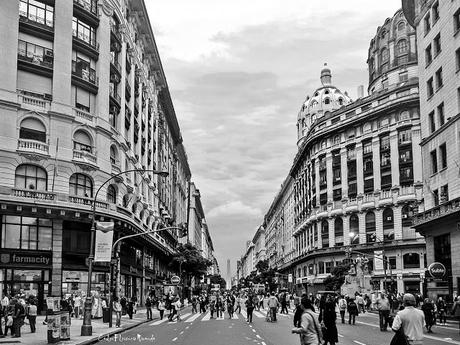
point(199, 329)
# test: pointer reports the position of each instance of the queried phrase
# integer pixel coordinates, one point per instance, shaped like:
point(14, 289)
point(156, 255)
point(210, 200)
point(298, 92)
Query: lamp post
point(86, 327)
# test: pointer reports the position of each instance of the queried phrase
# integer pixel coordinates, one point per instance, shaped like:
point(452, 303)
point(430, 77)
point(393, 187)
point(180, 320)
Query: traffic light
point(182, 230)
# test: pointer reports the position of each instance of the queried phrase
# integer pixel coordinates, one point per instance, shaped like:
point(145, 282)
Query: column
point(359, 168)
point(56, 277)
point(362, 227)
point(344, 171)
point(397, 221)
point(318, 231)
point(346, 229)
point(62, 65)
point(378, 224)
point(331, 222)
point(376, 162)
point(417, 155)
point(317, 182)
point(329, 175)
point(394, 151)
point(121, 115)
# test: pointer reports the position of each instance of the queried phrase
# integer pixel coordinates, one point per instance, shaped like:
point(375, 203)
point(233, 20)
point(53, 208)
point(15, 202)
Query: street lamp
point(86, 327)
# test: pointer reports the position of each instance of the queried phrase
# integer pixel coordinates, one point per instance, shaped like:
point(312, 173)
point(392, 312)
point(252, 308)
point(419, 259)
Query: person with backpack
point(249, 308)
point(353, 311)
point(19, 314)
point(31, 313)
point(309, 328)
point(342, 308)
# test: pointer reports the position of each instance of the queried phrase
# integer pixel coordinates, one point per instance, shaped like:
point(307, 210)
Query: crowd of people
point(14, 311)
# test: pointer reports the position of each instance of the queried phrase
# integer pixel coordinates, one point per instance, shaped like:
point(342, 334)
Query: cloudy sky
point(238, 72)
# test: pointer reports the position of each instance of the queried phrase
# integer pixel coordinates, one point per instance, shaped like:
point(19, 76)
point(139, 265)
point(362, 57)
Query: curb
point(115, 331)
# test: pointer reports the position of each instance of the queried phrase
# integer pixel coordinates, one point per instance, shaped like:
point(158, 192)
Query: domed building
point(324, 100)
point(355, 186)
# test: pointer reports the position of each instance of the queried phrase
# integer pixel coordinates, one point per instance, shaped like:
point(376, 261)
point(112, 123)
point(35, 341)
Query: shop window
point(411, 260)
point(32, 129)
point(28, 233)
point(81, 185)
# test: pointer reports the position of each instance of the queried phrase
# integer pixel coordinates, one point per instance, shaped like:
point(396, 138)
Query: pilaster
point(344, 171)
point(329, 176)
point(378, 225)
point(346, 229)
point(359, 168)
point(56, 276)
point(331, 222)
point(376, 162)
point(394, 150)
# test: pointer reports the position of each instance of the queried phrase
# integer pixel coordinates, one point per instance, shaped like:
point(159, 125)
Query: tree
point(337, 277)
point(262, 266)
point(217, 279)
point(189, 260)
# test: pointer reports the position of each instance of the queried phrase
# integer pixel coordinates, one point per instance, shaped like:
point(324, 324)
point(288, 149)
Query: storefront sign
point(104, 238)
point(25, 259)
point(437, 270)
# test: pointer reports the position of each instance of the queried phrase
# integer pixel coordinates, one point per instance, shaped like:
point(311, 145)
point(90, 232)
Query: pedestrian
point(31, 313)
point(230, 305)
point(273, 305)
point(177, 306)
point(255, 300)
point(360, 302)
point(148, 307)
point(130, 309)
point(298, 311)
point(283, 303)
point(161, 307)
point(117, 308)
point(9, 318)
point(249, 308)
point(327, 317)
point(428, 311)
point(238, 304)
point(441, 305)
point(342, 308)
point(194, 303)
point(353, 311)
point(219, 307)
point(124, 305)
point(383, 306)
point(456, 311)
point(409, 321)
point(77, 306)
point(18, 318)
point(309, 328)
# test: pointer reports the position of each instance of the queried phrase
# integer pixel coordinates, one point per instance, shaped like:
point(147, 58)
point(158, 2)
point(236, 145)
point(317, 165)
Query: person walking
point(360, 303)
point(328, 316)
point(117, 308)
point(219, 307)
point(342, 308)
point(309, 328)
point(18, 318)
point(353, 311)
point(273, 305)
point(212, 308)
point(255, 300)
point(177, 306)
point(283, 303)
point(194, 303)
point(31, 313)
point(441, 305)
point(77, 306)
point(249, 308)
point(428, 311)
point(161, 308)
point(130, 308)
point(409, 321)
point(383, 306)
point(456, 311)
point(238, 304)
point(298, 311)
point(230, 305)
point(148, 307)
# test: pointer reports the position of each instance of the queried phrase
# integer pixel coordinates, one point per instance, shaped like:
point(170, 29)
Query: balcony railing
point(33, 101)
point(87, 74)
point(35, 146)
point(406, 190)
point(33, 194)
point(87, 201)
point(83, 114)
point(386, 194)
point(84, 157)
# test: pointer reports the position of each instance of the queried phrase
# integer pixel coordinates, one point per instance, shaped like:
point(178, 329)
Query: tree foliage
point(337, 277)
point(192, 261)
point(217, 279)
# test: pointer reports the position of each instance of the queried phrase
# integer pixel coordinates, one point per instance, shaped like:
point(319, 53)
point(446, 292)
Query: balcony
point(85, 159)
point(115, 71)
point(84, 76)
point(35, 102)
point(87, 10)
point(33, 194)
point(86, 44)
point(33, 148)
point(115, 36)
point(83, 115)
point(36, 59)
point(34, 25)
point(74, 199)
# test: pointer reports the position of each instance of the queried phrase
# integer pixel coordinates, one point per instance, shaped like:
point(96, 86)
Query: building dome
point(326, 98)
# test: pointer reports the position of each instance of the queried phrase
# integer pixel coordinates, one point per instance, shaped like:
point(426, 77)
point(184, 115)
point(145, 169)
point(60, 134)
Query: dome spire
point(326, 75)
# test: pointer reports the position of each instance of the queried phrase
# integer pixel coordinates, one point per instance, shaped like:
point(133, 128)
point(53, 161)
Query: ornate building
point(83, 97)
point(355, 185)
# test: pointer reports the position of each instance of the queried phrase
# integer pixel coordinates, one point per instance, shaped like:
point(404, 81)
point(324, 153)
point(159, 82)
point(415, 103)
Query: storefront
point(76, 282)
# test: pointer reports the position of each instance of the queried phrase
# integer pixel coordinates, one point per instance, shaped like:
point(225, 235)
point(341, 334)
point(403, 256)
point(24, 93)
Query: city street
point(198, 329)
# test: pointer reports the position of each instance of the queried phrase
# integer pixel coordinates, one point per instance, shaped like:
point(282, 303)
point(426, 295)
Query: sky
point(238, 72)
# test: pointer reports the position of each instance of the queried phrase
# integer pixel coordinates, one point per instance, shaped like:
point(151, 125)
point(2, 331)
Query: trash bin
point(105, 315)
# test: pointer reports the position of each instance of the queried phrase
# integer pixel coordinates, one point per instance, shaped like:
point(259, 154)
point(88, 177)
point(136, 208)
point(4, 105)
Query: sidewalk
point(100, 330)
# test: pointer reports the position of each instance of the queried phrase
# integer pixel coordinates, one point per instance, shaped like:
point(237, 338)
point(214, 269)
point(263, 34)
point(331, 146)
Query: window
point(439, 81)
point(388, 218)
point(27, 233)
point(436, 197)
point(367, 147)
point(384, 57)
point(428, 55)
point(81, 67)
point(81, 185)
point(338, 227)
point(351, 153)
point(84, 32)
point(354, 229)
point(385, 142)
point(113, 155)
point(35, 54)
point(435, 12)
point(370, 226)
point(432, 122)
point(32, 129)
point(406, 215)
point(406, 175)
point(427, 23)
point(403, 76)
point(325, 233)
point(443, 153)
point(31, 177)
point(82, 142)
point(111, 194)
point(337, 194)
point(429, 87)
point(404, 136)
point(434, 162)
point(411, 260)
point(457, 21)
point(320, 267)
point(457, 59)
point(444, 197)
point(37, 12)
point(441, 114)
point(327, 101)
point(405, 155)
point(329, 266)
point(437, 45)
point(368, 165)
point(402, 47)
point(401, 26)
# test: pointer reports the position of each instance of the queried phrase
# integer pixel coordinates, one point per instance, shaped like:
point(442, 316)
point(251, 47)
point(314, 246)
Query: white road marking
point(181, 333)
point(340, 335)
point(243, 312)
point(358, 342)
point(235, 317)
point(258, 336)
point(183, 317)
point(259, 314)
point(253, 330)
point(174, 339)
point(158, 322)
point(206, 317)
point(193, 318)
point(263, 343)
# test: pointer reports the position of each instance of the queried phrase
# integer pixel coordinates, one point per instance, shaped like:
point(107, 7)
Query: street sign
point(437, 270)
point(175, 280)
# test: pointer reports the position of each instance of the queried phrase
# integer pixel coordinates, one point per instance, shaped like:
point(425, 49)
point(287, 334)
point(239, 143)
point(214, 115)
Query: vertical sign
point(378, 262)
point(103, 245)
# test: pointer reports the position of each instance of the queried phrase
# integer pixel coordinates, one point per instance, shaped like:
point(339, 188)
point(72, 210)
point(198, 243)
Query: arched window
point(354, 229)
point(126, 200)
point(314, 104)
point(113, 155)
point(111, 194)
point(404, 115)
point(82, 141)
point(141, 215)
point(411, 260)
point(305, 271)
point(340, 101)
point(32, 129)
point(388, 224)
point(384, 55)
point(402, 47)
point(327, 101)
point(337, 139)
point(31, 177)
point(81, 185)
point(370, 227)
point(326, 92)
point(401, 26)
point(406, 215)
point(325, 233)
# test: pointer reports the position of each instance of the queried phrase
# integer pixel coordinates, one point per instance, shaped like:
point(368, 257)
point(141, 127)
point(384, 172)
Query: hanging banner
point(103, 245)
point(378, 260)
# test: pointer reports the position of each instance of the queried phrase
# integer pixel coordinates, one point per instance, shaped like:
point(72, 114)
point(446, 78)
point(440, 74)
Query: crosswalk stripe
point(235, 317)
point(206, 317)
point(183, 317)
point(159, 322)
point(193, 318)
point(243, 312)
point(259, 314)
